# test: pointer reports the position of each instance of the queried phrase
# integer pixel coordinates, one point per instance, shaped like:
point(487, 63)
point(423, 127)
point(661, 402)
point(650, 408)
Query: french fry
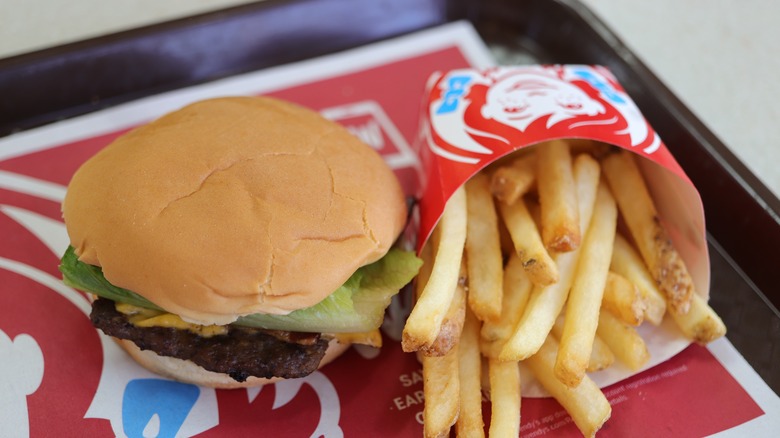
point(507, 247)
point(426, 254)
point(623, 299)
point(586, 404)
point(483, 250)
point(537, 262)
point(517, 289)
point(452, 324)
point(586, 177)
point(545, 303)
point(582, 310)
point(544, 306)
point(453, 320)
point(470, 423)
point(601, 357)
point(557, 196)
point(508, 183)
point(504, 398)
point(424, 323)
point(584, 146)
point(507, 160)
point(441, 389)
point(628, 263)
point(701, 323)
point(641, 216)
point(623, 340)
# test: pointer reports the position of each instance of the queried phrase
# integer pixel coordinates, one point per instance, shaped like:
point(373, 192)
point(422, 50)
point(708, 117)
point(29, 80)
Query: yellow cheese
point(140, 317)
point(372, 338)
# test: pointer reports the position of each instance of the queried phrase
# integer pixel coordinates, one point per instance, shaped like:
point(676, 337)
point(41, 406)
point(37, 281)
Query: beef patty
point(241, 353)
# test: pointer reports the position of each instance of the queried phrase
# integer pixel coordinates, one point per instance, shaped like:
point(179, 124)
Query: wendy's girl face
point(520, 99)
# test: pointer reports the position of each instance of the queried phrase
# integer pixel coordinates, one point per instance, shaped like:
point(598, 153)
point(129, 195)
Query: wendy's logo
point(476, 114)
point(519, 99)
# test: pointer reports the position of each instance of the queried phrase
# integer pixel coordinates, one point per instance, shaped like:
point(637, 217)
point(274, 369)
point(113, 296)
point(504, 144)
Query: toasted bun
point(234, 206)
point(189, 372)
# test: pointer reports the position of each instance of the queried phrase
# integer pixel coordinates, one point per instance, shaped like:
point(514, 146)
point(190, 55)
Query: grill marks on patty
point(241, 353)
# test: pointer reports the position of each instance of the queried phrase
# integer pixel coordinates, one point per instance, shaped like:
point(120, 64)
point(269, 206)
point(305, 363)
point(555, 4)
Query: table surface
point(718, 56)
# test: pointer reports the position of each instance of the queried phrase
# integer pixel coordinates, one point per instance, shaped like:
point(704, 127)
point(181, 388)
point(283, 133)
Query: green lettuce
point(89, 278)
point(357, 306)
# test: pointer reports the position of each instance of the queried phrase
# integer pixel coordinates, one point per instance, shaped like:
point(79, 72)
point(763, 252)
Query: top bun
point(234, 206)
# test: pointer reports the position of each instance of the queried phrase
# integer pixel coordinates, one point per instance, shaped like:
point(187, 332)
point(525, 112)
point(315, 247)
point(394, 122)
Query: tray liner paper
point(59, 376)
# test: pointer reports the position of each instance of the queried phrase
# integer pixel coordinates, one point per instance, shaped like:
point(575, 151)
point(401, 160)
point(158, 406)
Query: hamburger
point(237, 241)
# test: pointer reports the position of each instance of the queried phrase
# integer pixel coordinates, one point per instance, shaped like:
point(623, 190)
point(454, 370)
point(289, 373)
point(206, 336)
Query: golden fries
point(508, 183)
point(628, 263)
point(426, 254)
point(586, 404)
point(558, 197)
point(582, 311)
point(543, 308)
point(504, 398)
point(470, 422)
point(593, 148)
point(654, 245)
point(586, 177)
point(623, 299)
point(601, 356)
point(441, 389)
point(701, 323)
point(623, 340)
point(451, 325)
point(546, 303)
point(424, 323)
point(528, 243)
point(483, 250)
point(517, 290)
point(550, 283)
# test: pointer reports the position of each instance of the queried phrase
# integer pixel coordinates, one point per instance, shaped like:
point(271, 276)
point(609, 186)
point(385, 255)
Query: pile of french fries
point(550, 257)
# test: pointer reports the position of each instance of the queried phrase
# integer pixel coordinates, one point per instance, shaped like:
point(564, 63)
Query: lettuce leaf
point(89, 278)
point(357, 306)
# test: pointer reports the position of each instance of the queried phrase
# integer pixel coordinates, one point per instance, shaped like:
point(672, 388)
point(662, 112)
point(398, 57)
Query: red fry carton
point(473, 117)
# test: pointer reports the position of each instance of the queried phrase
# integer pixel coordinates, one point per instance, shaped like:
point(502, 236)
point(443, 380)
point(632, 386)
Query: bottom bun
point(189, 372)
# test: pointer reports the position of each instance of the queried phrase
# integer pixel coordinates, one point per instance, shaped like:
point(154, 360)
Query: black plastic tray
point(743, 216)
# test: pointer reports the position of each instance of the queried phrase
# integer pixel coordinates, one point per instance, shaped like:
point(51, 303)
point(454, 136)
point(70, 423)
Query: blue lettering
point(456, 88)
point(169, 401)
point(605, 89)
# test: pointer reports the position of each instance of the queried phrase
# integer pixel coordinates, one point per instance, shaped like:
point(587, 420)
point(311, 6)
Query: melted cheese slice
point(372, 338)
point(140, 317)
